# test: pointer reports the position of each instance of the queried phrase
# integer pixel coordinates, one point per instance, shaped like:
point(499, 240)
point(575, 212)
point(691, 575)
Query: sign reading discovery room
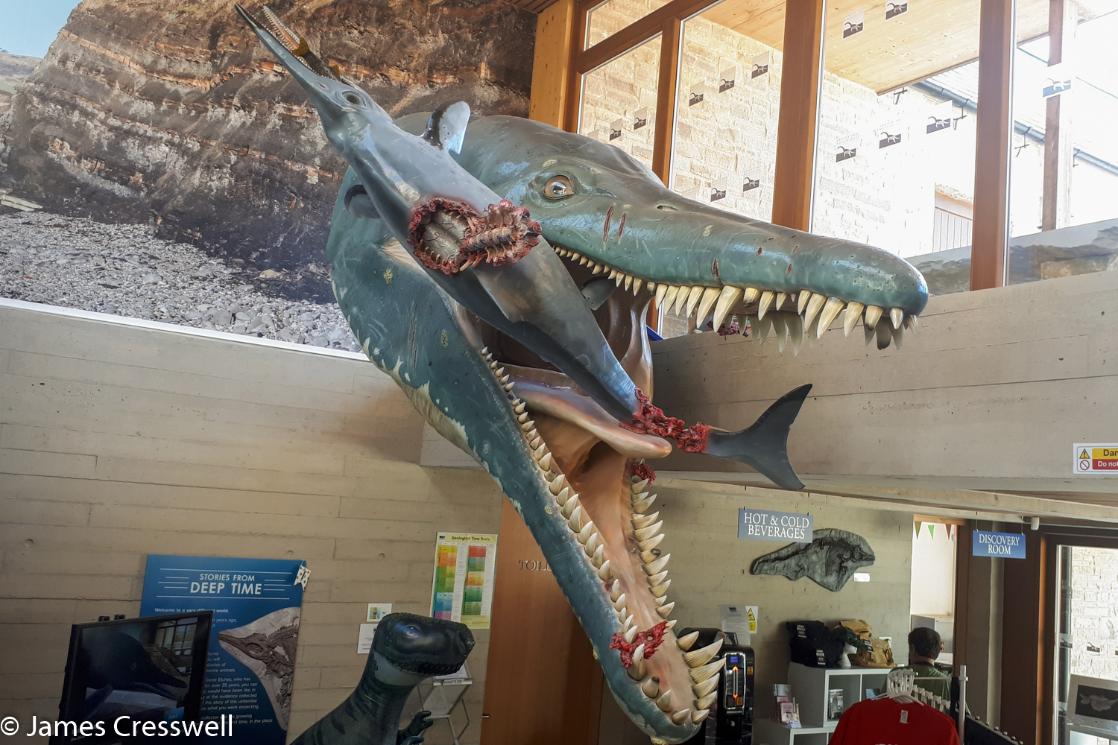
point(994, 545)
point(763, 525)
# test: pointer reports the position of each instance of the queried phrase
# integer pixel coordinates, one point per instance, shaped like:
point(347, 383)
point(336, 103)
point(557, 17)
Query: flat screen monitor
point(145, 669)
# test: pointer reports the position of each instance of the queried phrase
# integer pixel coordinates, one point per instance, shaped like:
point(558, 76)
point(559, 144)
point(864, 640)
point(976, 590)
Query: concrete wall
point(120, 440)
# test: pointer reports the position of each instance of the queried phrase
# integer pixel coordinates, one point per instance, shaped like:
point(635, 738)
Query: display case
point(811, 687)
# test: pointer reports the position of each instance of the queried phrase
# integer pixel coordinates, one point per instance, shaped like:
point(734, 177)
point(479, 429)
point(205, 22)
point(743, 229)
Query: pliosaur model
point(474, 262)
point(830, 560)
point(407, 649)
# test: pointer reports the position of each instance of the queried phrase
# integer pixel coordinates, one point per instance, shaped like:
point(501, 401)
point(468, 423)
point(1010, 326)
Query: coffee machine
point(731, 718)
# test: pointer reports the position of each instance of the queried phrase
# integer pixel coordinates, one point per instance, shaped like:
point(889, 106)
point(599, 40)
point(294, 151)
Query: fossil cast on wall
point(830, 560)
point(144, 110)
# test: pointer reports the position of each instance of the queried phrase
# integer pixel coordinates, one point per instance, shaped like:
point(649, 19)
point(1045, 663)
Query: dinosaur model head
point(535, 359)
point(408, 648)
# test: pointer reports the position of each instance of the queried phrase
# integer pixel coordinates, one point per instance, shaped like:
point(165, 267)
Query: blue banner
point(993, 545)
point(256, 606)
point(762, 525)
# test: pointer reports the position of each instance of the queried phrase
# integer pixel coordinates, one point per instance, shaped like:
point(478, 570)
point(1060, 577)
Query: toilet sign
point(1095, 458)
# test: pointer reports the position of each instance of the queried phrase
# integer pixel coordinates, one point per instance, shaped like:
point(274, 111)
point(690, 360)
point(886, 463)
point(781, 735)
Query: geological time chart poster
point(462, 588)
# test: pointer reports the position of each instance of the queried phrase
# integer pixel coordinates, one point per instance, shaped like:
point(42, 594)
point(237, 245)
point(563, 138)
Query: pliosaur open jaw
point(634, 581)
point(790, 315)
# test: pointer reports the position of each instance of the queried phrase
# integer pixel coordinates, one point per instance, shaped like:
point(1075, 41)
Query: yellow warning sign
point(1095, 458)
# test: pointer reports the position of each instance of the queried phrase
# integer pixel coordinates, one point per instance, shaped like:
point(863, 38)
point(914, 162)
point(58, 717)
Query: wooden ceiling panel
point(929, 38)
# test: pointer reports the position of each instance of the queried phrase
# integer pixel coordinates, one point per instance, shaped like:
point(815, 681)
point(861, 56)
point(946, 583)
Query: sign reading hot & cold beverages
point(763, 525)
point(994, 545)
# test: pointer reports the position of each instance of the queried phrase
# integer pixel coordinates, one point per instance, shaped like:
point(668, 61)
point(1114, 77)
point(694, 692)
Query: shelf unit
point(811, 687)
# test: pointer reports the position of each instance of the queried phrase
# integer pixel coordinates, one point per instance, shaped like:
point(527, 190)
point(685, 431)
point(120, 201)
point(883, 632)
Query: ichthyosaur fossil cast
point(407, 649)
point(267, 647)
point(830, 560)
point(474, 261)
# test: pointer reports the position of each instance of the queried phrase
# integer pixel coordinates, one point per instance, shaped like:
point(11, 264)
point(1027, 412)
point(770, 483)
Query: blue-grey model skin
point(569, 454)
point(407, 649)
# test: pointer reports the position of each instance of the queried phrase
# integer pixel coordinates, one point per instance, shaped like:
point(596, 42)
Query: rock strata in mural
point(830, 560)
point(144, 111)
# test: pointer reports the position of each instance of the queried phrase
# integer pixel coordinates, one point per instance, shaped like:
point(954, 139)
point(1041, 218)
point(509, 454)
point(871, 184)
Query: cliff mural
point(171, 114)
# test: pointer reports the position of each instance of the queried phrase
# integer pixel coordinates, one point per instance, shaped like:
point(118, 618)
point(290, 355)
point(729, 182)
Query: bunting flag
point(932, 529)
point(951, 531)
point(916, 525)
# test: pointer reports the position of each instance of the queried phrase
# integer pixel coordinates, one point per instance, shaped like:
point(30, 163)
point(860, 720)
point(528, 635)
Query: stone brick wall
point(1094, 617)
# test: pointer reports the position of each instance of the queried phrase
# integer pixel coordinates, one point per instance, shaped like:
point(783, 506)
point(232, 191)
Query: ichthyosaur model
point(407, 649)
point(473, 260)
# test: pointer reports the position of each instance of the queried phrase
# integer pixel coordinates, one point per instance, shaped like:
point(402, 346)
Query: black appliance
point(731, 718)
point(147, 669)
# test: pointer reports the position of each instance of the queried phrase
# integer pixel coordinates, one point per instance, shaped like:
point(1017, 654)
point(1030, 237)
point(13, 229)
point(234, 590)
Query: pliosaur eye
point(558, 187)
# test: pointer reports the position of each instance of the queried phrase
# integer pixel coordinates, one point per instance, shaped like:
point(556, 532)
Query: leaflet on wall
point(764, 525)
point(760, 65)
point(615, 129)
point(640, 119)
point(749, 184)
point(256, 606)
point(462, 586)
point(854, 23)
point(698, 93)
point(895, 8)
point(890, 134)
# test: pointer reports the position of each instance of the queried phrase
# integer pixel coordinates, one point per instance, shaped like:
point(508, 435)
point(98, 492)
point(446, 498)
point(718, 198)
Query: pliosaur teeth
point(650, 687)
point(620, 601)
point(596, 549)
point(813, 307)
point(700, 657)
point(896, 315)
point(853, 313)
point(670, 297)
point(564, 496)
point(587, 531)
point(704, 688)
point(706, 672)
point(651, 543)
point(706, 303)
point(764, 303)
point(571, 505)
point(699, 716)
point(641, 505)
point(670, 624)
point(681, 716)
point(639, 486)
point(638, 655)
point(556, 485)
point(661, 589)
point(665, 610)
point(664, 701)
point(631, 634)
point(780, 298)
point(727, 299)
point(578, 515)
point(693, 298)
point(831, 310)
point(802, 301)
point(706, 701)
point(687, 641)
point(604, 572)
point(873, 315)
point(655, 567)
point(661, 292)
point(657, 579)
point(648, 531)
point(751, 294)
point(615, 592)
point(643, 521)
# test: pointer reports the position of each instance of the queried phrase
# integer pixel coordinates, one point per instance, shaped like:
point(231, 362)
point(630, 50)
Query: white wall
point(933, 571)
